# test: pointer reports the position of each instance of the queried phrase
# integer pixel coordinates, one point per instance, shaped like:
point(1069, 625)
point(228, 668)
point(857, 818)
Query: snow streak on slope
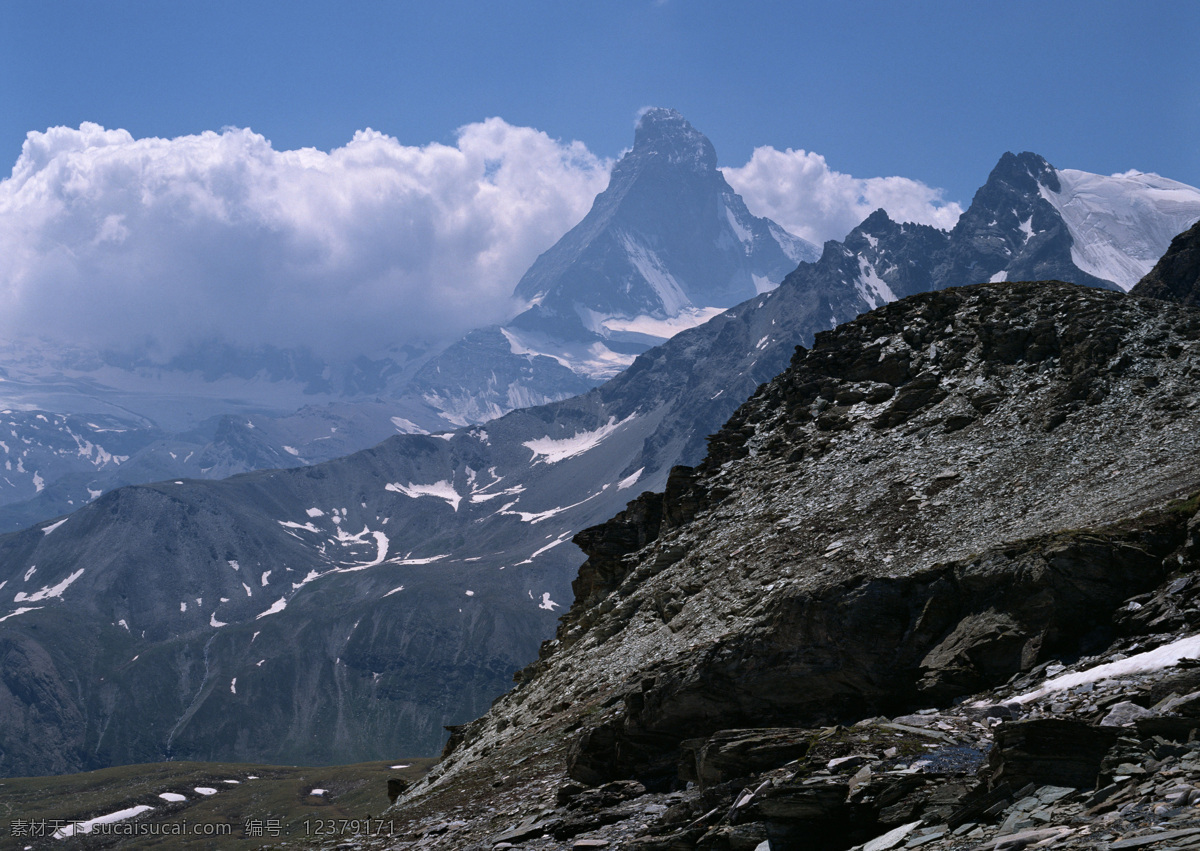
point(652, 269)
point(552, 451)
point(591, 359)
point(48, 591)
point(441, 490)
point(657, 329)
point(873, 289)
point(1122, 224)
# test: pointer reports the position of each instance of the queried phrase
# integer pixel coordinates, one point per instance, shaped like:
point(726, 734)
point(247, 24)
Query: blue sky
point(934, 91)
point(209, 174)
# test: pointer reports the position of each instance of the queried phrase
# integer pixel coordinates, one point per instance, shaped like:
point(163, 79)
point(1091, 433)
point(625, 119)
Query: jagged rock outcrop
point(1176, 277)
point(950, 493)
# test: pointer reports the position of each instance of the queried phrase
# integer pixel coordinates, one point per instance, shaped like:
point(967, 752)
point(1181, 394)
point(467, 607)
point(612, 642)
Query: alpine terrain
point(353, 608)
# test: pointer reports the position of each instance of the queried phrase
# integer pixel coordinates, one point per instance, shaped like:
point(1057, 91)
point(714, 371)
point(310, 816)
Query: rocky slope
point(951, 493)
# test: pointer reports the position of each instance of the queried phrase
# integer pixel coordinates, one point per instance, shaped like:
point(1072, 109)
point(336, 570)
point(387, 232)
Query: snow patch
point(213, 622)
point(233, 686)
point(47, 592)
point(1152, 660)
point(407, 426)
point(763, 284)
point(276, 607)
point(441, 490)
point(532, 517)
point(669, 291)
point(551, 451)
point(46, 530)
point(173, 797)
point(630, 480)
point(315, 512)
point(205, 790)
point(1120, 225)
point(22, 610)
point(77, 827)
point(547, 604)
point(873, 289)
point(660, 329)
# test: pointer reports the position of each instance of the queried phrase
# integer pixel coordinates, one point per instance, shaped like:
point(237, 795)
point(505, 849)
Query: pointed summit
point(666, 246)
point(1013, 232)
point(667, 135)
point(667, 237)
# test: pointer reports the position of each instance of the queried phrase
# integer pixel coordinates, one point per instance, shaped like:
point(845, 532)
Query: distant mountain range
point(665, 247)
point(353, 608)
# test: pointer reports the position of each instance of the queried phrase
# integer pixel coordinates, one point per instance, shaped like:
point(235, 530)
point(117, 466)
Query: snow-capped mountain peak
point(1120, 224)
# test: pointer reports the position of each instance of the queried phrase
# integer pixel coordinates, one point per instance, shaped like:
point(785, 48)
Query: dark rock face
point(1176, 277)
point(1008, 233)
point(1050, 751)
point(733, 754)
point(883, 642)
point(884, 645)
point(1010, 228)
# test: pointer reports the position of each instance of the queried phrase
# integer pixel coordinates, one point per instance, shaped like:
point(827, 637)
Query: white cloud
point(800, 191)
point(110, 240)
point(106, 239)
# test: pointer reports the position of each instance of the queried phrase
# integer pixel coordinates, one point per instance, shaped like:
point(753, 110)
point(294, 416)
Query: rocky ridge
point(934, 507)
point(1176, 276)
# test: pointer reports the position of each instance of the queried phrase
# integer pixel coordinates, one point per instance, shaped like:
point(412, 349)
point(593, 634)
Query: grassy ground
point(268, 806)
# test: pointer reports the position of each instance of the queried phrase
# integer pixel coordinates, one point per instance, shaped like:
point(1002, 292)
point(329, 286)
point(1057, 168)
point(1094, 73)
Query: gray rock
point(1124, 714)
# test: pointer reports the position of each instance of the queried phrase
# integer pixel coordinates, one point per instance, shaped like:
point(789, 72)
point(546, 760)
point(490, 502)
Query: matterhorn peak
point(666, 133)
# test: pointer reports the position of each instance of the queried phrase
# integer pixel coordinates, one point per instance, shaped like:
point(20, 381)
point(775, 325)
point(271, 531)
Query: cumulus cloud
point(106, 239)
point(800, 191)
